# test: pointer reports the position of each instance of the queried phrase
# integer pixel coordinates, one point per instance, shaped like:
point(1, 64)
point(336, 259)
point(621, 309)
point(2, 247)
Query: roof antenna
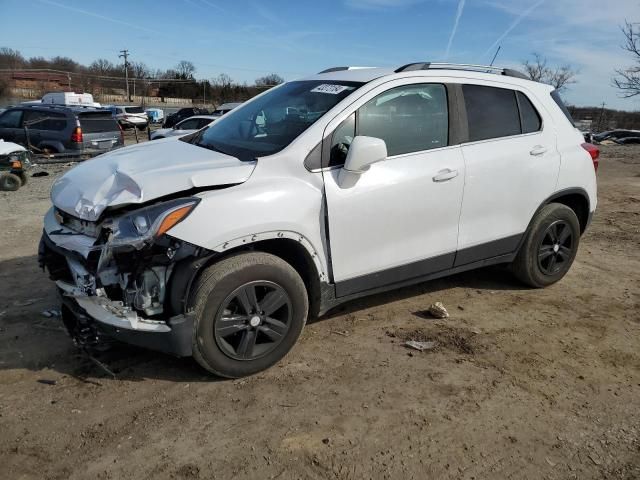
point(496, 54)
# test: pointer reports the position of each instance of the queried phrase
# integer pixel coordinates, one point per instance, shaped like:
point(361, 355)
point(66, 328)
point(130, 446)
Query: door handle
point(446, 174)
point(538, 150)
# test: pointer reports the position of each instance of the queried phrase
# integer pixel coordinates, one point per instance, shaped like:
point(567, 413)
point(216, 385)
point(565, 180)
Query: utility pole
point(600, 126)
point(125, 54)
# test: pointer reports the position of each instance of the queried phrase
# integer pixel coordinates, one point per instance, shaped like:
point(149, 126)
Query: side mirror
point(363, 152)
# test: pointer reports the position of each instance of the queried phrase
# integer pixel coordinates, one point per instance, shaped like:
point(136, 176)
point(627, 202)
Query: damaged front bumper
point(133, 294)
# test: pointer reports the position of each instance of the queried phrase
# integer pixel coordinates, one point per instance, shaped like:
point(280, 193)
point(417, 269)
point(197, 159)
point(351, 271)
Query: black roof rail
point(409, 67)
point(333, 69)
point(509, 72)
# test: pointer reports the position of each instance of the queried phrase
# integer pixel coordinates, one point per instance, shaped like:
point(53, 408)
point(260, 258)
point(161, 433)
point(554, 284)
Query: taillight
point(594, 152)
point(76, 136)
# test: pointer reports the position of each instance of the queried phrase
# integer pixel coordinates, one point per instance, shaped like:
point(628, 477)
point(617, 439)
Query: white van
point(69, 98)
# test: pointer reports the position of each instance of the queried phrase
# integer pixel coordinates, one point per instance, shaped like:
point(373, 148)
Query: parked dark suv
point(68, 130)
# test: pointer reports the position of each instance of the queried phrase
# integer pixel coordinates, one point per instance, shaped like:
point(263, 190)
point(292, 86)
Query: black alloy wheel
point(253, 320)
point(556, 248)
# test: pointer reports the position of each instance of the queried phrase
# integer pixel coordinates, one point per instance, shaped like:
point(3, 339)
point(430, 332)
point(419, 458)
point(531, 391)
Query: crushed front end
point(123, 277)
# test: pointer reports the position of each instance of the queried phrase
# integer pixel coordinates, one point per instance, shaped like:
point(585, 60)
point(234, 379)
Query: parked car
point(181, 114)
point(156, 115)
point(68, 130)
point(222, 244)
point(225, 108)
point(615, 135)
point(628, 140)
point(184, 127)
point(14, 161)
point(130, 117)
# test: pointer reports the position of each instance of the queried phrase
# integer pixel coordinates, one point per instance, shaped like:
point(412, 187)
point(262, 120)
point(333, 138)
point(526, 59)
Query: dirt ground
point(524, 383)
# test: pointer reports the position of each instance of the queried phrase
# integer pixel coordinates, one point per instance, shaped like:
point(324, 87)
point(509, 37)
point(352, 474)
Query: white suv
point(220, 245)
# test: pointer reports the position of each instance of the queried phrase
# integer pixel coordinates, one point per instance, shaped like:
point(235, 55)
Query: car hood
point(9, 147)
point(141, 173)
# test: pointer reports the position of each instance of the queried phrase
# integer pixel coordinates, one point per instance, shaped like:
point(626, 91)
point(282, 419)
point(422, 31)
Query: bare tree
point(38, 62)
point(223, 81)
point(139, 70)
point(269, 80)
point(10, 58)
point(185, 70)
point(628, 80)
point(539, 70)
point(102, 66)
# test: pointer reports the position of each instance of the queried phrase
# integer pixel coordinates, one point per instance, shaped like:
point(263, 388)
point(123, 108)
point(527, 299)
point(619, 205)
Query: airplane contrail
point(515, 23)
point(97, 15)
point(455, 27)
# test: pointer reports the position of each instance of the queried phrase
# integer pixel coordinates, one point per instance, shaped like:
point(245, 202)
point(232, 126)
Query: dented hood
point(143, 172)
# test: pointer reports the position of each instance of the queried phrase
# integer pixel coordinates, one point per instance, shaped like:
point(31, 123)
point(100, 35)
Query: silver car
point(185, 127)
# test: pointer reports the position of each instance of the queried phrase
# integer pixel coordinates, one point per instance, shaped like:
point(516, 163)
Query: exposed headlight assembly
point(141, 226)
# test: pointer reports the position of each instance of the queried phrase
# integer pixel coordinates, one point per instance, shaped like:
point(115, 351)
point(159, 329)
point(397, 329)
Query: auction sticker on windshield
point(331, 89)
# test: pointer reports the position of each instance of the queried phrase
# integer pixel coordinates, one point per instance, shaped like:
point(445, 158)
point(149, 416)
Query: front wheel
point(549, 248)
point(250, 310)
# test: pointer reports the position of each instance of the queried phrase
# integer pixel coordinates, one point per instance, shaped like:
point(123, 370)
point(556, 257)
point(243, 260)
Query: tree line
point(105, 76)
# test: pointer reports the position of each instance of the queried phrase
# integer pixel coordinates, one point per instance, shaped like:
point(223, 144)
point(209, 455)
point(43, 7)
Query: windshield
point(271, 122)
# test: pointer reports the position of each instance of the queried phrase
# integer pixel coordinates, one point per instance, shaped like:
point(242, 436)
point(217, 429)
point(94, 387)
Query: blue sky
point(249, 38)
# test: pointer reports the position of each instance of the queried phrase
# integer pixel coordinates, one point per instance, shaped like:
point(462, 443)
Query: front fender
point(258, 210)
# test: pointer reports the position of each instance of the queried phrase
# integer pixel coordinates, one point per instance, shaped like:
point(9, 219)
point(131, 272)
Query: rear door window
point(529, 116)
point(491, 112)
point(191, 124)
point(11, 119)
point(203, 122)
point(41, 120)
point(97, 122)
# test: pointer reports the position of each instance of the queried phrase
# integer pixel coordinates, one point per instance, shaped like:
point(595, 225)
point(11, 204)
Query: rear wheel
point(250, 310)
point(550, 246)
point(9, 182)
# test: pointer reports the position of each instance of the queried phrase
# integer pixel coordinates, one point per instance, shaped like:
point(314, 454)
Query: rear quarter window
point(529, 116)
point(556, 98)
point(491, 112)
point(96, 122)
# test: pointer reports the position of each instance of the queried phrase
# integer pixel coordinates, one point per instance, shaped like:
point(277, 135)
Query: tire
point(23, 178)
point(49, 150)
point(549, 248)
point(9, 182)
point(230, 339)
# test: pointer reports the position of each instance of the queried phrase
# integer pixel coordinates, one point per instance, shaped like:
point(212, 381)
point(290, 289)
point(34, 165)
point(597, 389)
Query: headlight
point(150, 222)
point(19, 160)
